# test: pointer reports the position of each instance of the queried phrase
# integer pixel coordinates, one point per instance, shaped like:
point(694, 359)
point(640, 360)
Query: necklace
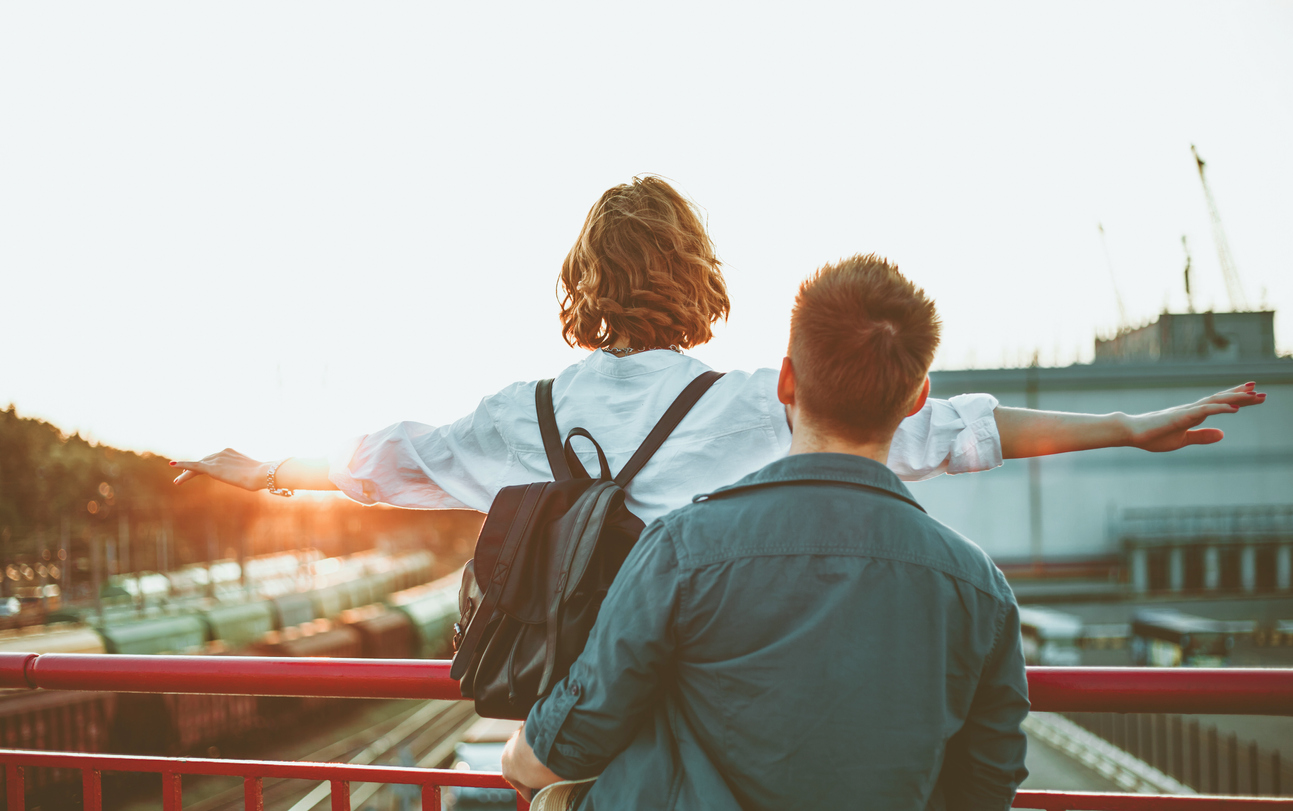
point(624, 352)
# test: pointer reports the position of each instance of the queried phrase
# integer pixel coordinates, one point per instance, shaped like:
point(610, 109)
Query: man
point(807, 637)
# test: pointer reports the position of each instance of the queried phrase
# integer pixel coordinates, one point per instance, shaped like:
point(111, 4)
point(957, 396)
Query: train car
point(432, 609)
point(1164, 637)
point(383, 634)
point(173, 724)
point(320, 638)
point(70, 721)
point(361, 592)
point(1050, 637)
point(233, 626)
point(62, 638)
point(181, 634)
point(290, 610)
point(420, 568)
point(330, 601)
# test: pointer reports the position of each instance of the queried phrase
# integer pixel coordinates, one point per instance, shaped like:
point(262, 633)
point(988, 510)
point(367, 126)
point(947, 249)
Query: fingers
point(1204, 436)
point(1239, 398)
point(1236, 397)
point(188, 474)
point(191, 470)
point(1209, 409)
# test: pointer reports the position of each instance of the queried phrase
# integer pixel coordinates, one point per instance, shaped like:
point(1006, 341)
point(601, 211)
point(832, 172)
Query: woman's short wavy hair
point(644, 269)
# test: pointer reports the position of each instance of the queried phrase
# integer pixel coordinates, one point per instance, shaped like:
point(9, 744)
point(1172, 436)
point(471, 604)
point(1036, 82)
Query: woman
point(641, 285)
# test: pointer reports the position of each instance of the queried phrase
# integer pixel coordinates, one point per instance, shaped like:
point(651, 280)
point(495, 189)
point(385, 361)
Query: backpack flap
point(489, 544)
point(518, 527)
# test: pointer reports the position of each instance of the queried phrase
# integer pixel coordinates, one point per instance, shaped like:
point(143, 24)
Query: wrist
point(262, 476)
point(1122, 429)
point(272, 479)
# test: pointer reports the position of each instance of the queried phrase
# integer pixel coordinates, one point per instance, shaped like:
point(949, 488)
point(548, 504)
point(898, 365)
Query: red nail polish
point(172, 464)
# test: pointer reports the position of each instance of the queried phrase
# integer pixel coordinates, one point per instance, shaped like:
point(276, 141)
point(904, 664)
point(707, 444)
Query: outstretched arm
point(231, 467)
point(1025, 432)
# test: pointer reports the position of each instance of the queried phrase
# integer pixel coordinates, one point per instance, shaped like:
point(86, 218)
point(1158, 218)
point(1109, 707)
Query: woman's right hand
point(227, 466)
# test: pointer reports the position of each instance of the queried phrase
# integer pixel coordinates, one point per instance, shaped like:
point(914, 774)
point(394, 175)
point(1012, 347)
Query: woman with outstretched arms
point(642, 285)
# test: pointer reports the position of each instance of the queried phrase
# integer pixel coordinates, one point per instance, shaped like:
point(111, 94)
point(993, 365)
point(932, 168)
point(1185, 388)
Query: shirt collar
point(824, 467)
point(639, 363)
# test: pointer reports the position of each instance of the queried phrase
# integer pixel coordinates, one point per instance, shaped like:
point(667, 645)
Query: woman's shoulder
point(598, 378)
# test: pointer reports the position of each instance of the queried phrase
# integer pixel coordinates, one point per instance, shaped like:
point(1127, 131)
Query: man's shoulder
point(788, 520)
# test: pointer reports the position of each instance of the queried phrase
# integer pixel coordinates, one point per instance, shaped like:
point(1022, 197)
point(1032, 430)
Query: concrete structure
point(1192, 337)
point(1217, 516)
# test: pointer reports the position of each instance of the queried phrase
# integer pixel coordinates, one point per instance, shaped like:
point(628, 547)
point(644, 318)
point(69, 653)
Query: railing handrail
point(340, 775)
point(291, 770)
point(1230, 691)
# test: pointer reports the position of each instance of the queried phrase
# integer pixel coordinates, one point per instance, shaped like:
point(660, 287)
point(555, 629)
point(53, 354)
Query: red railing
point(253, 772)
point(1226, 691)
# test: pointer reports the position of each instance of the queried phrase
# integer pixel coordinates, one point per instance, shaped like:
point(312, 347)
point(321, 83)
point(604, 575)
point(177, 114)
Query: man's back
point(805, 638)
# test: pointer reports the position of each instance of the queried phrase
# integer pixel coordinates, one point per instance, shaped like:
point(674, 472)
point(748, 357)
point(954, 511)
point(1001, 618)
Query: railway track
point(424, 733)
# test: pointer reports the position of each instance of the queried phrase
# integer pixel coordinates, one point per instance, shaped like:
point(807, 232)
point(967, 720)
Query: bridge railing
point(1228, 691)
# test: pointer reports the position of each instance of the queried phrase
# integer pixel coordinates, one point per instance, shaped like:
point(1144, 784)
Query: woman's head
point(643, 269)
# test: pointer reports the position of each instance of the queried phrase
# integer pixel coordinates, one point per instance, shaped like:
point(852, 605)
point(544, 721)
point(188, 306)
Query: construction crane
point(1123, 323)
point(1189, 296)
point(1238, 301)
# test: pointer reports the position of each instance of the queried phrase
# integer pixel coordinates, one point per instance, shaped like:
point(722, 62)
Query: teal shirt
point(805, 638)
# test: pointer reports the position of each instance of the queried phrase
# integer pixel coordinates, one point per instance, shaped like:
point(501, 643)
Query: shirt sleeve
point(408, 464)
point(985, 759)
point(947, 436)
point(591, 715)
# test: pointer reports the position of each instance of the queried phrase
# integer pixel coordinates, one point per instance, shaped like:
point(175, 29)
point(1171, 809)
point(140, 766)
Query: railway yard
point(389, 606)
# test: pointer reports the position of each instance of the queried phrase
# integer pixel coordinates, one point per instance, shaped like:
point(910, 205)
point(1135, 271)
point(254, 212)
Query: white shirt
point(737, 427)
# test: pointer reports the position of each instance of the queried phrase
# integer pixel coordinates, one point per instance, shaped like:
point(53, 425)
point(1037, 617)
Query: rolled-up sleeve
point(408, 464)
point(591, 715)
point(947, 436)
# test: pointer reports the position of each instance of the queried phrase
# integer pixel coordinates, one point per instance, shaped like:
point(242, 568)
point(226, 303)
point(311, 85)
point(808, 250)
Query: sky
point(277, 226)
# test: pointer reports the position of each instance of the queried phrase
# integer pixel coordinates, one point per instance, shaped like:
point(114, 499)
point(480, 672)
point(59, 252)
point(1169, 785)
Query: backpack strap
point(551, 434)
point(689, 397)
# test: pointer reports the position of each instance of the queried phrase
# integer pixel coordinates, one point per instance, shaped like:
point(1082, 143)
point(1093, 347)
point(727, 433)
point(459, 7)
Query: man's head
point(643, 269)
point(862, 338)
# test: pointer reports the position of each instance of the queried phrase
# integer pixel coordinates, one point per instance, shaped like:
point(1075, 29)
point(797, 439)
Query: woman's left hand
point(1174, 428)
point(228, 466)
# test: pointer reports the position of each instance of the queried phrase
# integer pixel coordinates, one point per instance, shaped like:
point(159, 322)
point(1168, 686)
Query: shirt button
point(574, 690)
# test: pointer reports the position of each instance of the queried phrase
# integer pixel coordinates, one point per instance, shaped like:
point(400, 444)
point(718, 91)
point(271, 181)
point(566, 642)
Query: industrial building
point(1215, 517)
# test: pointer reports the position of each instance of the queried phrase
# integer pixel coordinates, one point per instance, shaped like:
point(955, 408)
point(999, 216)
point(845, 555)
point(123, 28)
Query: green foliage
point(59, 491)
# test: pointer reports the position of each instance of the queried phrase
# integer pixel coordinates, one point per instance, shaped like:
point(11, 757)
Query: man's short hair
point(862, 338)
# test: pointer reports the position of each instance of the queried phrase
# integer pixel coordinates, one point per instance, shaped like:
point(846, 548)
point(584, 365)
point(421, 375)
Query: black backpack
point(545, 558)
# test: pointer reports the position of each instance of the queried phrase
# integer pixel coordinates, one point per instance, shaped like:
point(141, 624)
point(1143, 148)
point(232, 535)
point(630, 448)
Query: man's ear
point(920, 398)
point(786, 383)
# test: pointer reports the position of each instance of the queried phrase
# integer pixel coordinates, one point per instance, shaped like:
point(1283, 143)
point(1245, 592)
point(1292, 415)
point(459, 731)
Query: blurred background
point(276, 228)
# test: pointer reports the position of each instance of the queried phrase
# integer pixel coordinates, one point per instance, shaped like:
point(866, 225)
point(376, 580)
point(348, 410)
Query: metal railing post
point(15, 791)
point(1178, 741)
point(253, 798)
point(1233, 745)
point(1196, 757)
point(430, 798)
point(172, 792)
point(1254, 769)
point(340, 795)
point(1214, 761)
point(91, 789)
point(1160, 743)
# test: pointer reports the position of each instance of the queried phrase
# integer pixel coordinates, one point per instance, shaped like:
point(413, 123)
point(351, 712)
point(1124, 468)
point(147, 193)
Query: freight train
point(391, 611)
